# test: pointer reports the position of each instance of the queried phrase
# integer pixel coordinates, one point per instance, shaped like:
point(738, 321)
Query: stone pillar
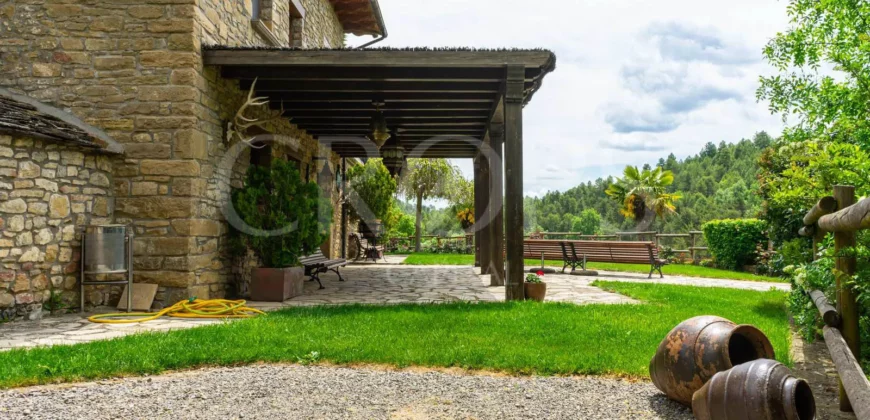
point(514, 182)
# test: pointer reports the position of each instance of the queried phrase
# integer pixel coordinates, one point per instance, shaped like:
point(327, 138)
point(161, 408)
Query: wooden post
point(692, 249)
point(513, 162)
point(343, 208)
point(478, 207)
point(496, 196)
point(483, 234)
point(846, 303)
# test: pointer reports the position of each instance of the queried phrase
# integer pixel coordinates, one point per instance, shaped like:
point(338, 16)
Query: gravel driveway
point(294, 392)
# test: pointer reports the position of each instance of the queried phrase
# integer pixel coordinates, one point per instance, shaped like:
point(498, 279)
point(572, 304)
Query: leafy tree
point(425, 179)
point(644, 191)
point(833, 32)
point(398, 224)
point(462, 200)
point(829, 142)
point(282, 214)
point(371, 187)
point(589, 222)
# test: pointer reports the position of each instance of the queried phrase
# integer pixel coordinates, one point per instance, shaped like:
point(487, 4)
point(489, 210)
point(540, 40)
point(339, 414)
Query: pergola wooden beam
point(450, 94)
point(412, 123)
point(389, 97)
point(373, 87)
point(389, 113)
point(291, 107)
point(221, 56)
point(362, 74)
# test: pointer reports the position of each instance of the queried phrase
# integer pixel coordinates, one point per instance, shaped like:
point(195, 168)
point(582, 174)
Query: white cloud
point(687, 66)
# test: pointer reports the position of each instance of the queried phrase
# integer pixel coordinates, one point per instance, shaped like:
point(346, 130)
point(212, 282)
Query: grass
point(675, 270)
point(521, 337)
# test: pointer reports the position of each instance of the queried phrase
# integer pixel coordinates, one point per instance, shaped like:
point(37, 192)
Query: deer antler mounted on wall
point(239, 126)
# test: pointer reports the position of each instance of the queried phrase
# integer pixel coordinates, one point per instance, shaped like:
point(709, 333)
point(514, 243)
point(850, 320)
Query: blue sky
point(635, 80)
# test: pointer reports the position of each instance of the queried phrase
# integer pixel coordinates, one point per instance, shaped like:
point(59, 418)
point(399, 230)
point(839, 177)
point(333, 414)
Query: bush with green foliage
point(588, 223)
point(398, 224)
point(370, 186)
point(286, 218)
point(734, 242)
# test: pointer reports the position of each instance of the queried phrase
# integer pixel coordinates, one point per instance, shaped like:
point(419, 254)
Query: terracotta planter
point(535, 291)
point(276, 284)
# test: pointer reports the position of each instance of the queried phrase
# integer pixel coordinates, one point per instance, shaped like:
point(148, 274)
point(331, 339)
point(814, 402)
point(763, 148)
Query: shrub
point(371, 187)
point(733, 242)
point(272, 200)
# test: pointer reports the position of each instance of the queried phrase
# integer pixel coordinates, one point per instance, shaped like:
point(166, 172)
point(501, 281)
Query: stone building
point(117, 120)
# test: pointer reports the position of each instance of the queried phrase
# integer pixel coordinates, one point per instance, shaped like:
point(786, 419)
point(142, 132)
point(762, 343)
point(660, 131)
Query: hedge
point(734, 242)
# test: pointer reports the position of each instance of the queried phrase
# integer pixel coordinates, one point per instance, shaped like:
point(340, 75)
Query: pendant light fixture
point(379, 131)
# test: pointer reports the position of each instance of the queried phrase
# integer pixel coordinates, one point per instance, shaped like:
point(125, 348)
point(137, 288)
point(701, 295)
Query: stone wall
point(221, 98)
point(48, 191)
point(229, 23)
point(135, 70)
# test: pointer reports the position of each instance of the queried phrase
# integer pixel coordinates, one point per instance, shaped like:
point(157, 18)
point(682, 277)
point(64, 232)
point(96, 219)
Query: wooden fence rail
point(842, 335)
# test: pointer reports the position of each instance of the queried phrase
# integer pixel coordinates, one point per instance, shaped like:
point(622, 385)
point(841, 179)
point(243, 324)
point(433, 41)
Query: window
point(255, 9)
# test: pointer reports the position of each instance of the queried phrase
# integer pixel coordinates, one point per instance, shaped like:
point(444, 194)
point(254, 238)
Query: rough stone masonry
point(134, 70)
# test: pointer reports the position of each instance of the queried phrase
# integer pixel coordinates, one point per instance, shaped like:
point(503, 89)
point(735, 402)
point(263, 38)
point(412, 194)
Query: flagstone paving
point(380, 283)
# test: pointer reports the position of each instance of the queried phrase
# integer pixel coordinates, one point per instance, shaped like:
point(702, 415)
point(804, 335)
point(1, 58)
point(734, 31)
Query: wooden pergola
point(441, 103)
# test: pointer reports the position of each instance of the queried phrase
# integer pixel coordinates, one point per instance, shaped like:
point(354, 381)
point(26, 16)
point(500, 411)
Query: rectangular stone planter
point(276, 284)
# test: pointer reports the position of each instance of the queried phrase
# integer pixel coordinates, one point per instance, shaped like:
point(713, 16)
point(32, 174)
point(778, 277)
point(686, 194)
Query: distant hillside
point(719, 182)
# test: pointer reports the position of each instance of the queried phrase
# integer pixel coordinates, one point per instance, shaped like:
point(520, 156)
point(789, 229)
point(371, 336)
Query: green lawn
point(676, 269)
point(516, 337)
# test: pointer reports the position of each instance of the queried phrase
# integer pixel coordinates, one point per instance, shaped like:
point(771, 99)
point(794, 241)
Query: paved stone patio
point(373, 283)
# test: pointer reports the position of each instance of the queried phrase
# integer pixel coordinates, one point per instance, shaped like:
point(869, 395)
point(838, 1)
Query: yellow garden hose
point(191, 308)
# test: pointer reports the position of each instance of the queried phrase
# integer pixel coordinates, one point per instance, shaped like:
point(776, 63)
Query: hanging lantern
point(379, 131)
point(324, 177)
point(393, 155)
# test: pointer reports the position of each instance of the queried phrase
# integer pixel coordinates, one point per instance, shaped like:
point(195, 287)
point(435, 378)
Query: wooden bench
point(367, 251)
point(617, 252)
point(549, 250)
point(317, 263)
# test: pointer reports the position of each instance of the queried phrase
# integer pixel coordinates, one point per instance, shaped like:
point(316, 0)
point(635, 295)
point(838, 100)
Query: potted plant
point(535, 287)
point(280, 218)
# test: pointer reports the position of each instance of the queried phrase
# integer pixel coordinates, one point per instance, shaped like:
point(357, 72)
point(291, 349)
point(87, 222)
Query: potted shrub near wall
point(535, 287)
point(281, 218)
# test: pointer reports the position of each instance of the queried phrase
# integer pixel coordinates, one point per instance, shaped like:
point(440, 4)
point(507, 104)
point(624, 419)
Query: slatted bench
point(366, 250)
point(617, 252)
point(317, 263)
point(549, 250)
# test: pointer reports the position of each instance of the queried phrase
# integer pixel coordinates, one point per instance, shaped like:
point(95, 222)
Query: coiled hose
point(191, 308)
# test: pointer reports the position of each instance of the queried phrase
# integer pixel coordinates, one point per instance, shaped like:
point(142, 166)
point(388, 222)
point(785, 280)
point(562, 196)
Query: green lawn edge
point(515, 338)
point(675, 269)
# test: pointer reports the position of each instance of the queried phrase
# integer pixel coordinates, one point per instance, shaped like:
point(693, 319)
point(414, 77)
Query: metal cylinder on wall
point(107, 250)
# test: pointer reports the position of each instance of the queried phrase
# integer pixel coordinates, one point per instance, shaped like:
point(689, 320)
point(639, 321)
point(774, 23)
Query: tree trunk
point(418, 225)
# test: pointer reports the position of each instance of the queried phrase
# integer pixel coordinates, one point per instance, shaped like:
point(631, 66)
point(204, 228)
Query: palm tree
point(644, 191)
point(425, 179)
